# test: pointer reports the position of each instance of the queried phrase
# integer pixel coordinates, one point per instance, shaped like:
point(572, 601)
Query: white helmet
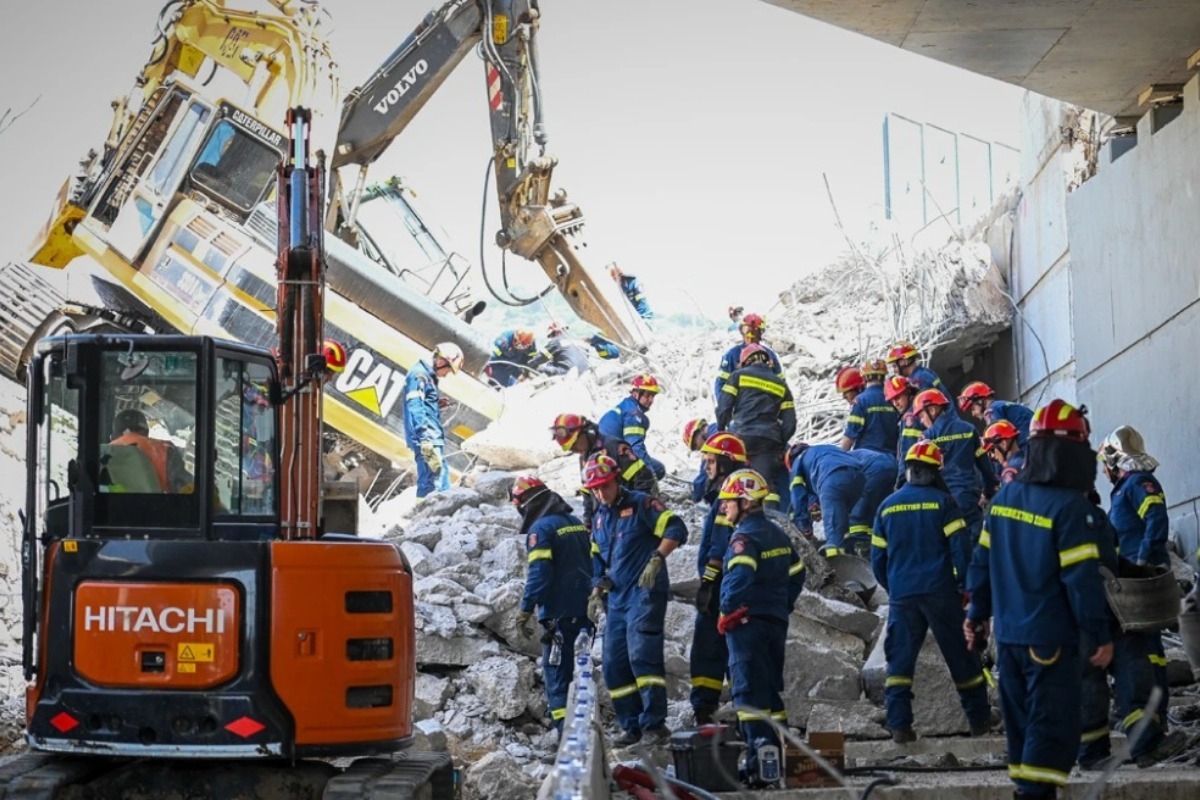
point(449, 352)
point(1125, 449)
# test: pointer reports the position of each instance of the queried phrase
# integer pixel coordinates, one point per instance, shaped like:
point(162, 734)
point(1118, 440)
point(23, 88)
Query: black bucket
point(1143, 604)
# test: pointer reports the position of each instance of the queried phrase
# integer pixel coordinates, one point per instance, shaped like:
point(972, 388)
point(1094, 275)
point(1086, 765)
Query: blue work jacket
point(920, 544)
point(1138, 510)
point(762, 570)
point(627, 534)
point(873, 423)
point(560, 567)
point(628, 421)
point(422, 415)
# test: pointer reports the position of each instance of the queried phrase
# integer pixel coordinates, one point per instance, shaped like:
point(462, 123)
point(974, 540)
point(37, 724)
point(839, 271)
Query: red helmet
point(729, 445)
point(873, 368)
point(690, 430)
point(645, 383)
point(753, 322)
point(928, 399)
point(525, 488)
point(600, 470)
point(849, 379)
point(555, 328)
point(754, 352)
point(745, 484)
point(335, 355)
point(901, 351)
point(895, 386)
point(925, 453)
point(793, 454)
point(522, 338)
point(999, 431)
point(566, 428)
point(1060, 419)
point(974, 391)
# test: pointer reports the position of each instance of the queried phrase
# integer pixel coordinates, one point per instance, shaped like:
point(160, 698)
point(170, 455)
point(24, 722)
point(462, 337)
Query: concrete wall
point(1135, 264)
point(1108, 277)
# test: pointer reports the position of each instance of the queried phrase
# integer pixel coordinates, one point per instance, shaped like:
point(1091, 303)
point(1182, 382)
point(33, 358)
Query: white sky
point(693, 133)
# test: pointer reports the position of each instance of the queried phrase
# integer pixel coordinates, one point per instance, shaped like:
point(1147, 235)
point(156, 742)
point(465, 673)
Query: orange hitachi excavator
point(184, 604)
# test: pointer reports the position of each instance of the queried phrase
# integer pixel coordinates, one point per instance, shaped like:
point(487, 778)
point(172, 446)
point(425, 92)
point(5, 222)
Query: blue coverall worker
point(873, 423)
point(723, 454)
point(978, 401)
point(1000, 442)
point(558, 583)
point(909, 431)
point(751, 328)
point(1036, 571)
point(695, 433)
point(577, 434)
point(1133, 679)
point(632, 290)
point(563, 353)
point(968, 470)
point(758, 406)
point(630, 422)
point(763, 577)
point(879, 476)
point(828, 481)
point(1137, 510)
point(919, 553)
point(634, 535)
point(423, 417)
point(603, 347)
point(903, 358)
point(515, 356)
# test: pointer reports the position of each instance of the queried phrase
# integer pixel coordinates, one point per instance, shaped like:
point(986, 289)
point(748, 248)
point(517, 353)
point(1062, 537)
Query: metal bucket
point(855, 573)
point(1143, 604)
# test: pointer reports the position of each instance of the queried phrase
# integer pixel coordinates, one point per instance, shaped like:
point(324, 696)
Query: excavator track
point(408, 776)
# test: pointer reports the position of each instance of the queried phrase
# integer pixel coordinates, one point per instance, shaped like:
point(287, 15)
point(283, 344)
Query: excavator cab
point(166, 614)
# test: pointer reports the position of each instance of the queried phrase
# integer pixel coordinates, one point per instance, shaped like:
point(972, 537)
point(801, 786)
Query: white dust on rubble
point(12, 499)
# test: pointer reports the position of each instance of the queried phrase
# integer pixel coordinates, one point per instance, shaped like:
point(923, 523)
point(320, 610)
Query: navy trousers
point(907, 622)
point(558, 676)
point(1134, 675)
point(1040, 696)
point(633, 659)
point(709, 664)
point(879, 480)
point(756, 652)
point(839, 492)
point(429, 481)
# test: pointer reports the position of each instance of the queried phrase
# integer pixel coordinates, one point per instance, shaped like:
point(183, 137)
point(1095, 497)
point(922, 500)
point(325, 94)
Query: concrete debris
point(858, 720)
point(431, 694)
point(504, 685)
point(497, 777)
point(838, 615)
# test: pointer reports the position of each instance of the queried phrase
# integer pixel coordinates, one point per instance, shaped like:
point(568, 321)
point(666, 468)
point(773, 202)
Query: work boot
point(991, 723)
point(703, 715)
point(627, 739)
point(656, 736)
point(1170, 746)
point(903, 736)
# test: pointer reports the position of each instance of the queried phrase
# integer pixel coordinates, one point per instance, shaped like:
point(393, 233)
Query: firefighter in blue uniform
point(968, 470)
point(695, 433)
point(757, 405)
point(515, 356)
point(629, 421)
point(558, 583)
point(1001, 443)
point(826, 484)
point(423, 416)
point(879, 479)
point(634, 534)
point(603, 347)
point(1036, 571)
point(919, 554)
point(578, 434)
point(724, 453)
point(873, 424)
point(1138, 511)
point(751, 328)
point(904, 359)
point(977, 400)
point(632, 290)
point(898, 392)
point(763, 577)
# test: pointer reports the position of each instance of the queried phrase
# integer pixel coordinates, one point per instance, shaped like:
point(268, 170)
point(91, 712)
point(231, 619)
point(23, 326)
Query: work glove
point(651, 570)
point(595, 606)
point(525, 623)
point(709, 592)
point(814, 512)
point(727, 622)
point(432, 458)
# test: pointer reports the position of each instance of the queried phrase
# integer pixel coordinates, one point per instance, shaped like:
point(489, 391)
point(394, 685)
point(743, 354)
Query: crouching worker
point(763, 577)
point(558, 584)
point(919, 552)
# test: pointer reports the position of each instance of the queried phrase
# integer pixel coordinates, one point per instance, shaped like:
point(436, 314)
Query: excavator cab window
point(235, 167)
point(57, 443)
point(244, 471)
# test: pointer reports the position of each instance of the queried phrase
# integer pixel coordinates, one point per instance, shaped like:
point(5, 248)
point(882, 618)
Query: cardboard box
point(801, 771)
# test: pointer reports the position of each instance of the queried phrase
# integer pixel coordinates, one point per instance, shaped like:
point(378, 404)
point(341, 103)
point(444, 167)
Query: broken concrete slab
point(502, 684)
point(839, 615)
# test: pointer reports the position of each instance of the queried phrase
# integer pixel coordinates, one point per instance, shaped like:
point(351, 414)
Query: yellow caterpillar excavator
point(177, 206)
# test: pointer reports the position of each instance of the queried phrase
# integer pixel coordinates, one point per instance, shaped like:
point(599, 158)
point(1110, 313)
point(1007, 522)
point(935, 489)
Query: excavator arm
point(535, 224)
